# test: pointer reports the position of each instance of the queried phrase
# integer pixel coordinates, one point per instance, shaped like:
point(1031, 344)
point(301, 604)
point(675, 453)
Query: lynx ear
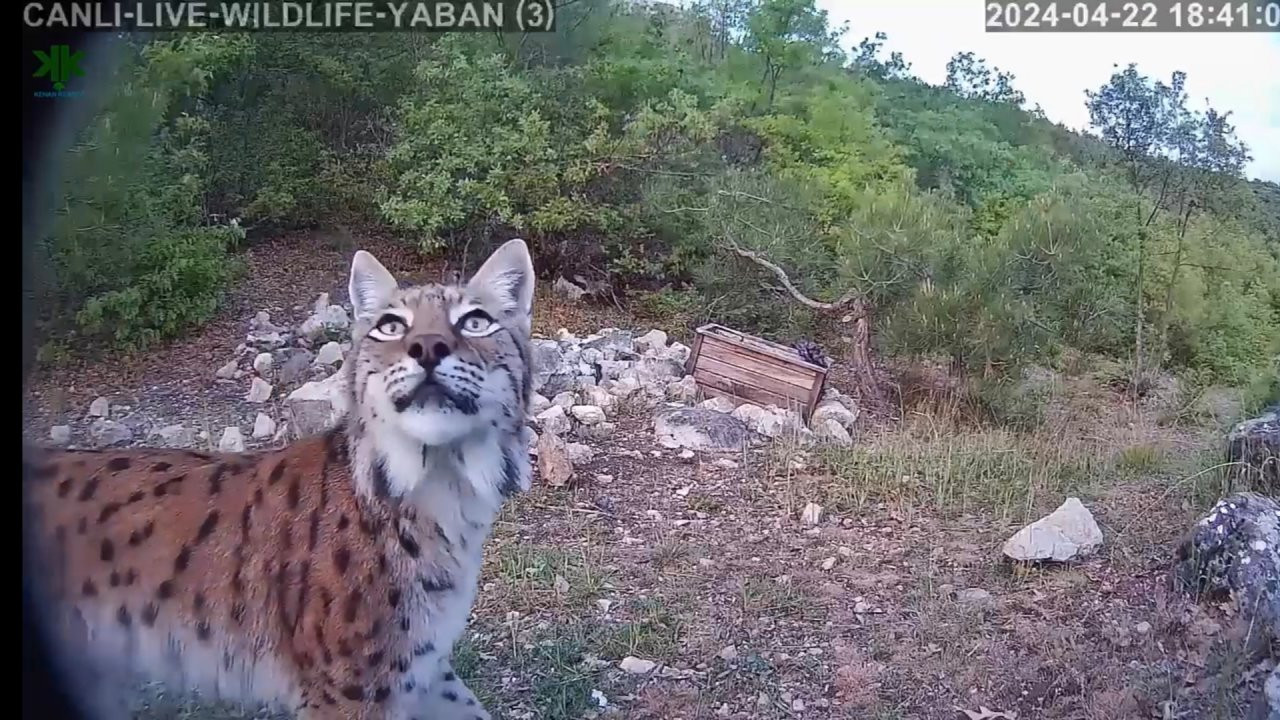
point(371, 285)
point(507, 276)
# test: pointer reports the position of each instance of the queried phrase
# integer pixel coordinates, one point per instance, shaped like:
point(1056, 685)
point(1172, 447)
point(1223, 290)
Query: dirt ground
point(896, 604)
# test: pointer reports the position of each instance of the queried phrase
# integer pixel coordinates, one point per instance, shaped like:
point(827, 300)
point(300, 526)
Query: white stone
point(553, 420)
point(109, 432)
point(329, 353)
point(728, 653)
point(725, 463)
point(263, 427)
point(538, 403)
point(684, 390)
point(836, 410)
point(579, 453)
point(812, 514)
point(259, 391)
point(832, 432)
point(319, 404)
point(718, 403)
point(262, 363)
point(622, 387)
point(60, 434)
point(679, 352)
point(1068, 532)
point(588, 414)
point(175, 435)
point(637, 666)
point(651, 341)
point(100, 407)
point(554, 466)
point(686, 454)
point(828, 563)
point(565, 400)
point(598, 396)
point(227, 371)
point(231, 440)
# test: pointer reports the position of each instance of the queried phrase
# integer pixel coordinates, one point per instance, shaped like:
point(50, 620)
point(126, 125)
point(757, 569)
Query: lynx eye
point(476, 323)
point(389, 327)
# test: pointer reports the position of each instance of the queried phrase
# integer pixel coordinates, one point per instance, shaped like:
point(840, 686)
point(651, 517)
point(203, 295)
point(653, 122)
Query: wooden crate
point(743, 367)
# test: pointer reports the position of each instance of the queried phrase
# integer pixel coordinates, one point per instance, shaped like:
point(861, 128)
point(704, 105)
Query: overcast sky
point(1239, 72)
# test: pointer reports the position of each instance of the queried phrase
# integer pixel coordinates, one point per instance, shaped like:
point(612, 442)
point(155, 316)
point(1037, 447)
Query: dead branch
point(851, 298)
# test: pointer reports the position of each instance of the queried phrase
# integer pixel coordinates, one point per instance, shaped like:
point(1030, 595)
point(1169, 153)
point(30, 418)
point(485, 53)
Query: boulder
point(1065, 534)
point(259, 391)
point(700, 429)
point(60, 434)
point(1253, 446)
point(554, 466)
point(319, 404)
point(100, 407)
point(231, 441)
point(109, 432)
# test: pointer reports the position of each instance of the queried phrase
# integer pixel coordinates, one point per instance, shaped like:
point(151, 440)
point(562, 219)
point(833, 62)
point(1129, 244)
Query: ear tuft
point(371, 285)
point(508, 276)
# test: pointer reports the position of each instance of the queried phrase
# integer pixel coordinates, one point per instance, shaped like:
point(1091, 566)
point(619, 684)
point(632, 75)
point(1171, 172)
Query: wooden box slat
point(726, 362)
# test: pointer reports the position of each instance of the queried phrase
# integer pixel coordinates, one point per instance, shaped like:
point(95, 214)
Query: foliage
point(667, 150)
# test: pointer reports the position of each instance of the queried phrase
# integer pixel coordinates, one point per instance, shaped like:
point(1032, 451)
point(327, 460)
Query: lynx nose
point(429, 350)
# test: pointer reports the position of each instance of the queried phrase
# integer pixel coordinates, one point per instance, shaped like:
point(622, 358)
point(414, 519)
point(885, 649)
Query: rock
point(1235, 549)
point(699, 429)
point(678, 353)
point(718, 403)
point(728, 653)
point(833, 432)
point(231, 441)
point(636, 666)
point(60, 434)
point(655, 370)
point(554, 466)
point(975, 597)
point(552, 371)
point(834, 410)
point(553, 420)
point(329, 354)
point(565, 400)
point(587, 414)
point(530, 439)
point(611, 340)
point(109, 432)
point(262, 363)
point(566, 289)
point(227, 371)
point(318, 405)
point(651, 342)
point(259, 391)
point(612, 369)
point(265, 340)
point(262, 321)
point(1267, 705)
point(263, 427)
point(622, 387)
point(1253, 446)
point(335, 318)
point(100, 407)
point(176, 435)
point(564, 336)
point(320, 304)
point(828, 563)
point(776, 422)
point(598, 396)
point(1066, 533)
point(684, 390)
point(812, 514)
point(597, 432)
point(687, 454)
point(725, 463)
point(579, 454)
point(295, 365)
point(1142, 628)
point(537, 403)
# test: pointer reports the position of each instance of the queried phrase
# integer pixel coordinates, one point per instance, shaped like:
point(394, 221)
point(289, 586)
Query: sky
point(1239, 72)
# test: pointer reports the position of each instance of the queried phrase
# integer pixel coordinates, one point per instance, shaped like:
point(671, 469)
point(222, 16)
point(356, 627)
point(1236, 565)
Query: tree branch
point(852, 297)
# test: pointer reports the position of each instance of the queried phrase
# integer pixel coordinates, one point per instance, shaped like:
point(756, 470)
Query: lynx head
point(435, 365)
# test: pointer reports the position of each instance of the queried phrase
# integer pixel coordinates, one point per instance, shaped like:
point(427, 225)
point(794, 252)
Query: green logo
point(59, 64)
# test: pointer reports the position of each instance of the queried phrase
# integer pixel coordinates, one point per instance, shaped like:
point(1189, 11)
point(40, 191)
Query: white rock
point(227, 371)
point(554, 420)
point(622, 387)
point(686, 454)
point(812, 514)
point(265, 340)
point(637, 666)
point(109, 432)
point(597, 432)
point(728, 653)
point(725, 463)
point(836, 410)
point(554, 466)
point(828, 563)
point(718, 403)
point(100, 407)
point(579, 453)
point(679, 352)
point(651, 341)
point(318, 405)
point(259, 391)
point(975, 597)
point(1068, 532)
point(563, 335)
point(684, 390)
point(699, 429)
point(262, 320)
point(598, 396)
point(231, 440)
point(60, 434)
point(262, 363)
point(176, 435)
point(538, 403)
point(588, 414)
point(565, 400)
point(329, 353)
point(832, 432)
point(263, 427)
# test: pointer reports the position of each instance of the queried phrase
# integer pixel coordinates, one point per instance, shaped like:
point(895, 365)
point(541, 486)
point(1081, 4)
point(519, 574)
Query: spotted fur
point(332, 576)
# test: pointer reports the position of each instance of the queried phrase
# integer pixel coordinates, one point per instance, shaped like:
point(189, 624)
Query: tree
point(787, 34)
point(867, 59)
point(968, 76)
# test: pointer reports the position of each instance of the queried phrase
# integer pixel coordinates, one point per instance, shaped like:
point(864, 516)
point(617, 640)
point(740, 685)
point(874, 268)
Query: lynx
point(331, 577)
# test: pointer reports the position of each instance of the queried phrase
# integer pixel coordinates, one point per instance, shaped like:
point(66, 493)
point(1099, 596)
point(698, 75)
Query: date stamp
point(1133, 16)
